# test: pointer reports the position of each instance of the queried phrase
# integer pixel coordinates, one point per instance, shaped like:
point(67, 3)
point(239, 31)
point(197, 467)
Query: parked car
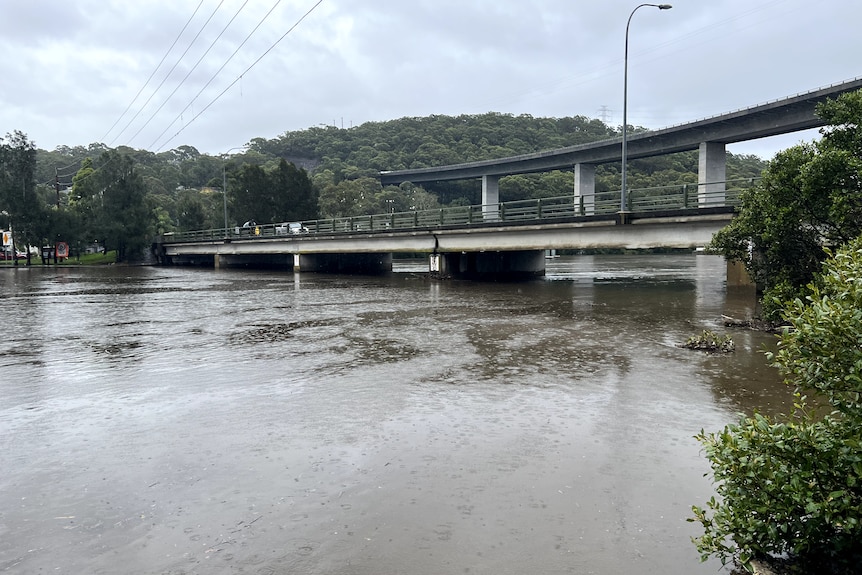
point(7, 255)
point(290, 228)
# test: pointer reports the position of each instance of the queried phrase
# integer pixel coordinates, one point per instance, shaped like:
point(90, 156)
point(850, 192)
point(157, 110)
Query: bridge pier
point(363, 264)
point(711, 173)
point(490, 198)
point(737, 276)
point(495, 266)
point(585, 189)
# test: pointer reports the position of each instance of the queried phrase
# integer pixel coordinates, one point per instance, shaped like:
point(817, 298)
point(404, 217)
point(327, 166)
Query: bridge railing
point(642, 200)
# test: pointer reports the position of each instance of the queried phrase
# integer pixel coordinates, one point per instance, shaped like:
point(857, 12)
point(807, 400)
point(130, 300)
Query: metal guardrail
point(644, 200)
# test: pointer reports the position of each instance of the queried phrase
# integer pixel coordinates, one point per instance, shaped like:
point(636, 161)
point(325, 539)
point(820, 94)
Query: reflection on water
point(200, 421)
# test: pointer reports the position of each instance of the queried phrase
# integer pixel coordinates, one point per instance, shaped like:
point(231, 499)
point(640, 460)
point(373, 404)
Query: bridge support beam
point(585, 189)
point(494, 266)
point(357, 264)
point(711, 174)
point(490, 198)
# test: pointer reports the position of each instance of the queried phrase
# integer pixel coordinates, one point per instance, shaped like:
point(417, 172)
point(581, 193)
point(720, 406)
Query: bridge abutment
point(509, 265)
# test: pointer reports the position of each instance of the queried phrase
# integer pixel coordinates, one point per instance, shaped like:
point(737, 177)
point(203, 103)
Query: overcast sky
point(71, 68)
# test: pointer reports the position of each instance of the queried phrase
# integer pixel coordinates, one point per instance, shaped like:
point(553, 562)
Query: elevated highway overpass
point(710, 136)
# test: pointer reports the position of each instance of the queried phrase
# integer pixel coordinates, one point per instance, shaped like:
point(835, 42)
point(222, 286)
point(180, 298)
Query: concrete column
point(585, 189)
point(737, 276)
point(711, 174)
point(217, 261)
point(491, 198)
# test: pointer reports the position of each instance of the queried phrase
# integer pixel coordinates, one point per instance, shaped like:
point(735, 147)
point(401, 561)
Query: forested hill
point(343, 164)
point(435, 140)
point(409, 143)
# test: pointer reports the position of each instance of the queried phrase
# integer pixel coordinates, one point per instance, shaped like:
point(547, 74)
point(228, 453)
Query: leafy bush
point(792, 488)
point(710, 341)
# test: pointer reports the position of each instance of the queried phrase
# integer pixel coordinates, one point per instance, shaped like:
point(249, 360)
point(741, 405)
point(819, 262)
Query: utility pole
point(57, 185)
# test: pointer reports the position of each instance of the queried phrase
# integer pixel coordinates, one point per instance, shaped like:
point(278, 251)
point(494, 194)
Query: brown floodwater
point(179, 421)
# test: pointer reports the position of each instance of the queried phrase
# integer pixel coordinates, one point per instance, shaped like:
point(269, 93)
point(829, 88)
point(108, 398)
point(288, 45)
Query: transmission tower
point(604, 114)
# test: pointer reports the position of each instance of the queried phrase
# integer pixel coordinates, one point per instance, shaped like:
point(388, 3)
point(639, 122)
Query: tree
point(294, 197)
point(111, 200)
point(303, 203)
point(350, 198)
point(191, 213)
point(810, 197)
point(250, 194)
point(18, 198)
point(793, 487)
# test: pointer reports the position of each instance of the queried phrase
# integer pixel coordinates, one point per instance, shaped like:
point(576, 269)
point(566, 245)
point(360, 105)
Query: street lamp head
point(664, 6)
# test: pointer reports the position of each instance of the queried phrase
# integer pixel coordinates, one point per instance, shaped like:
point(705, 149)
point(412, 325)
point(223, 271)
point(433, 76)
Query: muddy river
point(179, 421)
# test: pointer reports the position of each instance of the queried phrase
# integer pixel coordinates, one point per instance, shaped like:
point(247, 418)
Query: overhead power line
point(193, 68)
point(162, 61)
point(217, 72)
point(253, 64)
point(168, 75)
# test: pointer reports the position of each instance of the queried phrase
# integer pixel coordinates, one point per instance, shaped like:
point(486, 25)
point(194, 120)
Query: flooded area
point(185, 421)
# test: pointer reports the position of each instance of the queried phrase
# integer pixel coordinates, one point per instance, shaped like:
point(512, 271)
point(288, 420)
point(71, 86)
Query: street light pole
point(623, 189)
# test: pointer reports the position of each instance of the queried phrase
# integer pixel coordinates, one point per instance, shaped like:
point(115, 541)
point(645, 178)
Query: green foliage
point(362, 151)
point(24, 212)
point(822, 352)
point(111, 202)
point(794, 487)
point(810, 197)
point(710, 341)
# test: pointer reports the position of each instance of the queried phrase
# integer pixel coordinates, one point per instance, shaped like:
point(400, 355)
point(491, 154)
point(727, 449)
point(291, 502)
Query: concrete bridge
point(505, 241)
point(508, 239)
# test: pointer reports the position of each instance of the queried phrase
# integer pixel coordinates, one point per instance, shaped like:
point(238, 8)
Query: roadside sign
point(62, 250)
point(7, 239)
